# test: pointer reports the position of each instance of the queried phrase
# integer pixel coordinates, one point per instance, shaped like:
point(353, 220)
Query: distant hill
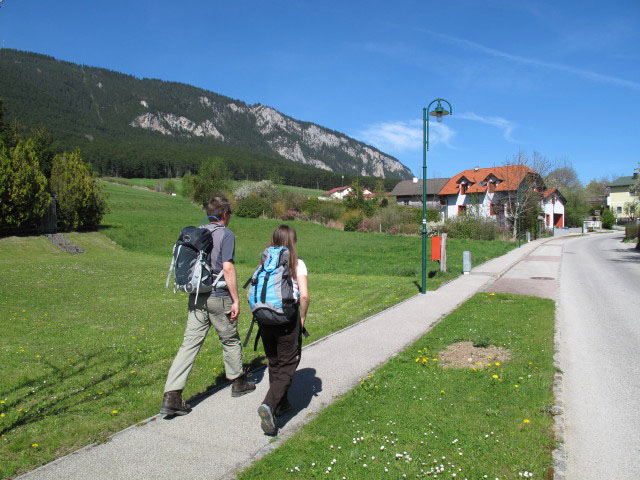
point(134, 127)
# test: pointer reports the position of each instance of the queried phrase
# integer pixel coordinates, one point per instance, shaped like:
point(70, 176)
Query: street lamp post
point(437, 112)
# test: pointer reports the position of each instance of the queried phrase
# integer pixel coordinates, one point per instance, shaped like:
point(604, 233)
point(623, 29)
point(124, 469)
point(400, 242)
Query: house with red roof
point(500, 193)
point(339, 193)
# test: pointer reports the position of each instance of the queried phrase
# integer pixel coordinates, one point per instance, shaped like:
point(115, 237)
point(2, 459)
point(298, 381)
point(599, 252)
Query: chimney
point(476, 169)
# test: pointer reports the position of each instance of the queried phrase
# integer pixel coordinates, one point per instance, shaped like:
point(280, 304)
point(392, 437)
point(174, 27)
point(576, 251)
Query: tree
point(23, 188)
point(213, 178)
point(566, 180)
point(608, 219)
point(169, 186)
point(1, 116)
point(81, 200)
point(46, 149)
point(522, 206)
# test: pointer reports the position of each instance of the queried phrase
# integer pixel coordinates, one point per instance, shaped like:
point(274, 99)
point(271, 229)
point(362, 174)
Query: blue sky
point(560, 78)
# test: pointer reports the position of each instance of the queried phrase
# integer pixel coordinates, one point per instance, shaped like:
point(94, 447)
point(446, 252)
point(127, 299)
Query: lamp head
point(439, 112)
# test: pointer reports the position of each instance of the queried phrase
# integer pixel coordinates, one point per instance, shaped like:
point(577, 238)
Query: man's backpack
point(271, 295)
point(191, 260)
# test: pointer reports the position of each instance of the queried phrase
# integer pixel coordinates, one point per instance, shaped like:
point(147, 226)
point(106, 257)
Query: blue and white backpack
point(271, 295)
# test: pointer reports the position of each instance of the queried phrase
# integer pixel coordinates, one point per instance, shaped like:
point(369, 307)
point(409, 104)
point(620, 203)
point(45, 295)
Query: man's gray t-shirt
point(226, 253)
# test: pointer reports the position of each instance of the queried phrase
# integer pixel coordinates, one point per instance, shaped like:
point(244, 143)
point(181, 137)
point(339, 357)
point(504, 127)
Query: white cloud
point(505, 125)
point(402, 136)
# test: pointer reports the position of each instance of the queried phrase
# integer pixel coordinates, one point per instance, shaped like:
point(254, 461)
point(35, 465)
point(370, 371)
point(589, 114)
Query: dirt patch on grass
point(466, 355)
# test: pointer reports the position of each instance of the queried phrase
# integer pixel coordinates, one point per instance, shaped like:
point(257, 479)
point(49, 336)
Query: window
point(462, 209)
point(548, 219)
point(492, 187)
point(619, 210)
point(463, 189)
point(406, 202)
point(492, 209)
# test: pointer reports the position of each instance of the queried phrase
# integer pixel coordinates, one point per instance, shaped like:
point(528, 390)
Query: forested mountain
point(126, 126)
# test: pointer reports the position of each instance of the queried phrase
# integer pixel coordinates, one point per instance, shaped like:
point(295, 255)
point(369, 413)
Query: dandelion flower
point(495, 376)
point(526, 420)
point(1, 402)
point(1, 414)
point(35, 445)
point(497, 364)
point(516, 386)
point(115, 412)
point(37, 356)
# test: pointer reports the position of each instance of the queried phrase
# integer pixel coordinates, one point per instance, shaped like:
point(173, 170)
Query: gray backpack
point(191, 260)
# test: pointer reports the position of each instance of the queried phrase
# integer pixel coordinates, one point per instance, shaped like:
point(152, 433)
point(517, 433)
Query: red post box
point(435, 248)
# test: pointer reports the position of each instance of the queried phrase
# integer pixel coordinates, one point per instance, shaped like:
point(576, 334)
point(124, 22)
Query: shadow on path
point(304, 387)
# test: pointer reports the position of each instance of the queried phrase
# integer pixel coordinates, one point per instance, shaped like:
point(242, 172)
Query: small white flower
point(382, 447)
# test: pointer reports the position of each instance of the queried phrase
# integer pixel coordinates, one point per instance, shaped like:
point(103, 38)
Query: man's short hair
point(218, 206)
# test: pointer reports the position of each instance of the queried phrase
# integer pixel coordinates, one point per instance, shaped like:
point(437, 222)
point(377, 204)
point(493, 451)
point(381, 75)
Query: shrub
point(81, 200)
point(351, 224)
point(472, 227)
point(289, 215)
point(264, 189)
point(631, 231)
point(253, 206)
point(23, 187)
point(169, 186)
point(322, 210)
point(293, 200)
point(608, 219)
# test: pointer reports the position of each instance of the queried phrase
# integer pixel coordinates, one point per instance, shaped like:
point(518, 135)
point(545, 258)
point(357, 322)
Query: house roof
point(548, 192)
point(407, 187)
point(510, 177)
point(337, 189)
point(622, 182)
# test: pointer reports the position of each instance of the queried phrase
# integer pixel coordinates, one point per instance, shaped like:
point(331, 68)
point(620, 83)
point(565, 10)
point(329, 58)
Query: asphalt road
point(599, 346)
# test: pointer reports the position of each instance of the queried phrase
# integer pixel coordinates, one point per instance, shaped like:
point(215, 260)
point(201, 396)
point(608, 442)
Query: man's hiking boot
point(242, 386)
point(283, 408)
point(267, 422)
point(172, 404)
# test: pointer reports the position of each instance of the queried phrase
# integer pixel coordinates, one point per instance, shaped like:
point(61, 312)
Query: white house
point(553, 204)
point(339, 193)
point(498, 192)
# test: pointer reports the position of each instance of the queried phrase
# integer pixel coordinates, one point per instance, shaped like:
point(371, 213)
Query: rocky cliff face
point(301, 142)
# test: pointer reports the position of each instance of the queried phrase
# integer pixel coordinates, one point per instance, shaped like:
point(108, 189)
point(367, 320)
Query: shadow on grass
point(53, 405)
point(304, 387)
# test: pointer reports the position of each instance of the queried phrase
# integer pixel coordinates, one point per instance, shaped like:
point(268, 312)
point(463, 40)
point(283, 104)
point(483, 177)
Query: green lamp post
point(439, 111)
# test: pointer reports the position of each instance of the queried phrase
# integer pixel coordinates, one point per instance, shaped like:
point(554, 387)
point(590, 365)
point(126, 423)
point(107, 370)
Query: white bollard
point(466, 262)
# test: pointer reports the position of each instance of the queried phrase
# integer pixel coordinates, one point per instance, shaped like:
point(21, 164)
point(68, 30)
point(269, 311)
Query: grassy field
point(152, 182)
point(86, 340)
point(412, 418)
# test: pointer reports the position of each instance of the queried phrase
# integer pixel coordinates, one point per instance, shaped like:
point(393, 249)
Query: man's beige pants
point(205, 312)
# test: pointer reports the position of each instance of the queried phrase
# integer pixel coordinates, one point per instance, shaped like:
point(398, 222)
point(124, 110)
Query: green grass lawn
point(412, 418)
point(152, 182)
point(86, 340)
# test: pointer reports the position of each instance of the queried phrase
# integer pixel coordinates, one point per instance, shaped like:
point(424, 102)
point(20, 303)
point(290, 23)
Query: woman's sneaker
point(267, 421)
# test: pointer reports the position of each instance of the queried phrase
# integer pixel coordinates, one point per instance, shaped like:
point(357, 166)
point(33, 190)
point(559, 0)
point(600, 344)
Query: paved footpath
point(222, 434)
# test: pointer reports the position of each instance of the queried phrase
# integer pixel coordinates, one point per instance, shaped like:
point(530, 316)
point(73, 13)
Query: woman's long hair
point(285, 236)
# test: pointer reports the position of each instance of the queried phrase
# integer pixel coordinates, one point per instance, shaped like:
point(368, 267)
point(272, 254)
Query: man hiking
point(219, 308)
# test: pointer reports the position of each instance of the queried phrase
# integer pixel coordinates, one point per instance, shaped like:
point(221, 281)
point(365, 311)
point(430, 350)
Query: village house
point(493, 192)
point(409, 192)
point(622, 202)
point(339, 193)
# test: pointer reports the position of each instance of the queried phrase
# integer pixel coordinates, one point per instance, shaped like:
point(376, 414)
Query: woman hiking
point(283, 343)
